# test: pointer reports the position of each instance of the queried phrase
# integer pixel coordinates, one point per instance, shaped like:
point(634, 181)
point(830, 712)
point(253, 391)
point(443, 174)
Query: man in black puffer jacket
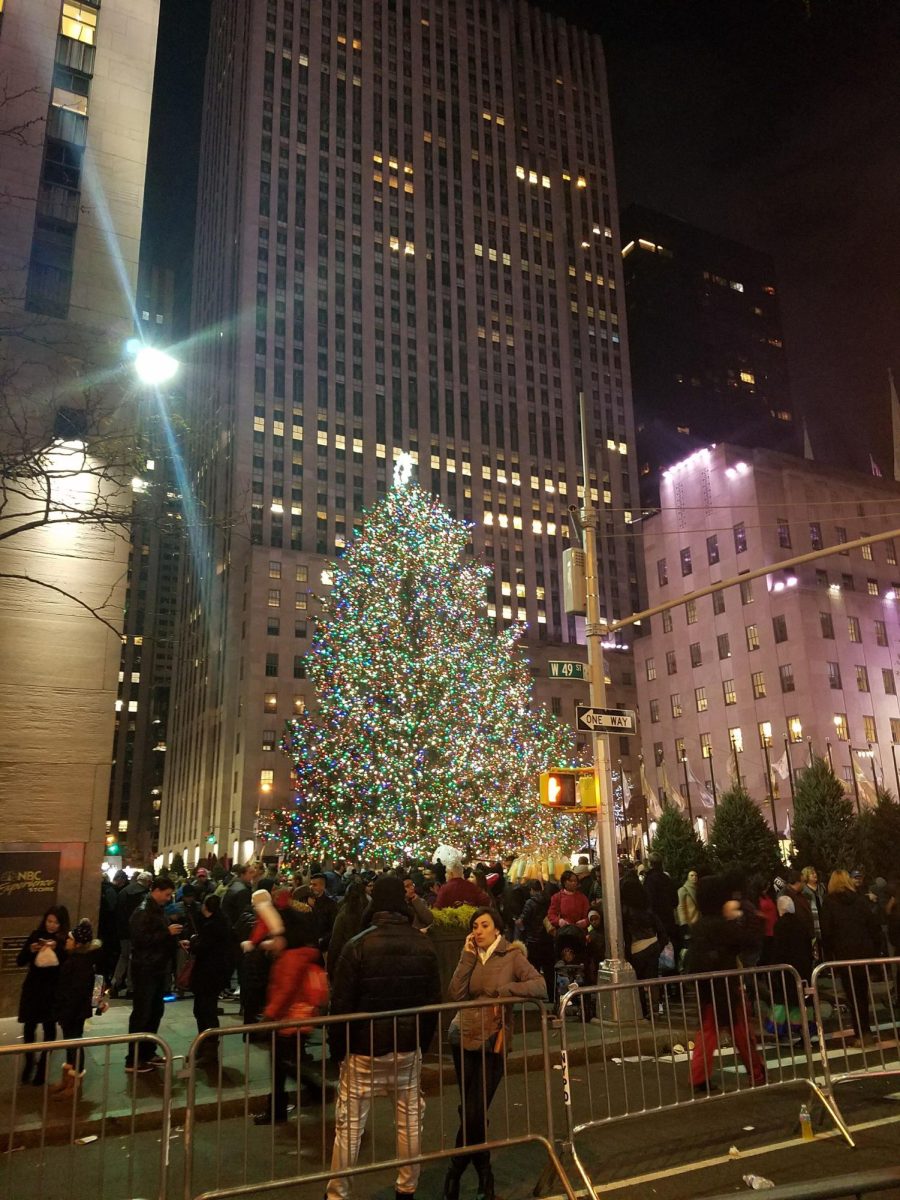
point(152, 948)
point(386, 967)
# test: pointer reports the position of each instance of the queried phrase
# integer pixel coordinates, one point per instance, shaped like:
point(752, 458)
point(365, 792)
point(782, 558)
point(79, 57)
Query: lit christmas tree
point(425, 731)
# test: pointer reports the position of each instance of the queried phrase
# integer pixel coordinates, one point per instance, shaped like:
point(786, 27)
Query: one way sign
point(605, 720)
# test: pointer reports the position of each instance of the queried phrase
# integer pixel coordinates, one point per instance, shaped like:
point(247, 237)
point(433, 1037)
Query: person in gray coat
point(479, 1037)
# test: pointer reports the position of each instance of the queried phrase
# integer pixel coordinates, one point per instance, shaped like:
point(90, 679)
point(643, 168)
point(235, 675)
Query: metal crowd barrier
point(110, 1137)
point(752, 1007)
point(856, 1008)
point(303, 1144)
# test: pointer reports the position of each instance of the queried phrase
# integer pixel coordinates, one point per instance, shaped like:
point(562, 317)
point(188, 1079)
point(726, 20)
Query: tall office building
point(407, 241)
point(76, 81)
point(707, 351)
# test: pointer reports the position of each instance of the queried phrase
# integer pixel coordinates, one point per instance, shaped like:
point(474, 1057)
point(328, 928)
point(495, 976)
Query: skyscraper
point(707, 350)
point(76, 83)
point(407, 241)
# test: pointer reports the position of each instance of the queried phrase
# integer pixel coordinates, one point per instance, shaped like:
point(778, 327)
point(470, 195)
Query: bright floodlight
point(154, 367)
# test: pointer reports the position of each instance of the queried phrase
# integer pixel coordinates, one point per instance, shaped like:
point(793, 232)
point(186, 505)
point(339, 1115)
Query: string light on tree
point(424, 729)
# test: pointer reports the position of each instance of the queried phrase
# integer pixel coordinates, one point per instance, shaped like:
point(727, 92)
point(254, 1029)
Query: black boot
point(41, 1073)
point(451, 1180)
point(27, 1068)
point(485, 1182)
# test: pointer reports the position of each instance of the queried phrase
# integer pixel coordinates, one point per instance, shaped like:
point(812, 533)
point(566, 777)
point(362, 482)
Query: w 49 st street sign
point(565, 670)
point(605, 720)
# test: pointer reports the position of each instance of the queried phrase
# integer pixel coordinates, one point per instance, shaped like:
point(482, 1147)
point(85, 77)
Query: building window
point(662, 572)
point(270, 702)
point(765, 733)
point(881, 638)
point(728, 691)
point(268, 739)
point(862, 678)
point(786, 675)
point(654, 711)
point(795, 730)
point(274, 597)
point(834, 676)
point(273, 626)
point(712, 549)
point(853, 629)
point(746, 591)
point(299, 705)
point(706, 745)
point(895, 730)
point(679, 750)
point(889, 681)
point(779, 629)
point(651, 668)
point(690, 611)
point(821, 579)
point(299, 666)
point(274, 569)
point(840, 535)
point(826, 625)
point(847, 583)
point(671, 664)
point(752, 633)
point(815, 535)
point(891, 552)
point(658, 754)
point(700, 699)
point(736, 739)
point(758, 679)
point(696, 656)
point(556, 705)
point(266, 781)
point(302, 574)
point(686, 566)
point(872, 587)
point(740, 537)
point(718, 601)
point(675, 701)
point(79, 22)
point(870, 733)
point(866, 550)
point(667, 621)
point(271, 665)
point(784, 533)
point(724, 644)
point(301, 601)
point(841, 732)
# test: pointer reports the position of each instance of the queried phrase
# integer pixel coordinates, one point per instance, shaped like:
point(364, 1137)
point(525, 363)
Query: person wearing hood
point(718, 938)
point(479, 1037)
point(851, 930)
point(387, 966)
point(75, 1002)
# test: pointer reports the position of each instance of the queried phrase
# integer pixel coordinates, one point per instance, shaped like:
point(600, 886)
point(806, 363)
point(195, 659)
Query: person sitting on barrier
point(387, 966)
point(851, 930)
point(488, 966)
point(717, 939)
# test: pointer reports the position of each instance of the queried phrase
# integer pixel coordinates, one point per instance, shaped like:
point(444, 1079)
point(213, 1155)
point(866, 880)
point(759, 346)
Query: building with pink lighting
point(794, 661)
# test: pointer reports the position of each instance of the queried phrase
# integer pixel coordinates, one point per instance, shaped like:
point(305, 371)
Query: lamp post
point(737, 765)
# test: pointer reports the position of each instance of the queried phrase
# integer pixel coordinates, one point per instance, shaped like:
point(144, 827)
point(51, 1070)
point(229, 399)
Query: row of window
point(299, 666)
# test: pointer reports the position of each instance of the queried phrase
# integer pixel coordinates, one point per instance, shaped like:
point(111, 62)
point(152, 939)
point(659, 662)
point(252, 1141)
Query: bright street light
point(154, 367)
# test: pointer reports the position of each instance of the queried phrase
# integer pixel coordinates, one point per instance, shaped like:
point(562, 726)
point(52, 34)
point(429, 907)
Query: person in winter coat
point(153, 941)
point(790, 943)
point(662, 896)
point(644, 936)
point(851, 930)
point(212, 951)
point(106, 923)
point(387, 966)
point(569, 906)
point(814, 892)
point(43, 953)
point(687, 913)
point(348, 922)
point(489, 966)
point(538, 940)
point(237, 897)
point(74, 1002)
point(422, 916)
point(130, 898)
point(717, 940)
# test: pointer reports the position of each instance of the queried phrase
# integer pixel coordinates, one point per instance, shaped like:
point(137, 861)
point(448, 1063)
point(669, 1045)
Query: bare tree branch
point(95, 612)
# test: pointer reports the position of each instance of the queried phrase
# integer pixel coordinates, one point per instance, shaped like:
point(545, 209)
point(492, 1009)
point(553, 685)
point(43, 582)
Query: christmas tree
point(824, 824)
point(741, 837)
point(879, 836)
point(678, 843)
point(425, 730)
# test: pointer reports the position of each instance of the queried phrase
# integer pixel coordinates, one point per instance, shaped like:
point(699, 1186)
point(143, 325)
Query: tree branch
point(95, 612)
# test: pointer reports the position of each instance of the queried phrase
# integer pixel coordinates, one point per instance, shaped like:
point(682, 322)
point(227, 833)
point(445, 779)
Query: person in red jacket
point(458, 890)
point(569, 905)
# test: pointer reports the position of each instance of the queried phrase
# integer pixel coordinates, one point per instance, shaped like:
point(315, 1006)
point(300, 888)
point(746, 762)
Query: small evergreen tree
point(177, 868)
point(740, 836)
point(678, 844)
point(824, 825)
point(879, 836)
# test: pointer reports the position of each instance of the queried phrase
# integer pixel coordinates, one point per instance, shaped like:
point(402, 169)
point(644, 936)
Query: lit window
point(79, 23)
point(765, 733)
point(700, 699)
point(675, 700)
point(270, 702)
point(62, 98)
point(301, 601)
point(866, 550)
point(870, 733)
point(881, 638)
point(834, 676)
point(266, 781)
point(841, 731)
point(302, 574)
point(706, 745)
point(274, 597)
point(862, 679)
point(728, 691)
point(853, 629)
point(872, 587)
point(736, 739)
point(651, 668)
point(690, 611)
point(758, 680)
point(748, 377)
point(891, 552)
point(795, 729)
point(268, 739)
point(274, 570)
point(895, 730)
point(299, 705)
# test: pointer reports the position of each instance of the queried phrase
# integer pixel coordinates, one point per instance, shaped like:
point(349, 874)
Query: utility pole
point(616, 969)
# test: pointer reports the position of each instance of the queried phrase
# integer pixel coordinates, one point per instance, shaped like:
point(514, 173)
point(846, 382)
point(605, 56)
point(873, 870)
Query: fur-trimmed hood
point(506, 973)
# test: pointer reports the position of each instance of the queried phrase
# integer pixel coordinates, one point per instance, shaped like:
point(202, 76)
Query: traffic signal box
point(569, 789)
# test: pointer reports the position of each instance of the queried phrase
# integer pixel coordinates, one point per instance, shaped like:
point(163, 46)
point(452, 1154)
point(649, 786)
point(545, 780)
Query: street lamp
point(154, 367)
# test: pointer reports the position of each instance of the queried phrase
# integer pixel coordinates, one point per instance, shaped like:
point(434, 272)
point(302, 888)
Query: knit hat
point(388, 895)
point(267, 912)
point(83, 933)
point(785, 905)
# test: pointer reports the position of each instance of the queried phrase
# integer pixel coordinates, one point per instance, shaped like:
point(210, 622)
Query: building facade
point(802, 660)
point(707, 350)
point(77, 80)
point(407, 243)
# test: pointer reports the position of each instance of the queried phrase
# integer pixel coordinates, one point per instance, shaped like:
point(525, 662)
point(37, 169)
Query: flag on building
point(781, 766)
point(706, 796)
point(673, 795)
point(863, 782)
point(873, 466)
point(654, 809)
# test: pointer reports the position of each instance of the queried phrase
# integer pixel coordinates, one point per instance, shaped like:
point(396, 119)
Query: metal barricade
point(107, 1135)
point(856, 1008)
point(436, 1099)
point(713, 1035)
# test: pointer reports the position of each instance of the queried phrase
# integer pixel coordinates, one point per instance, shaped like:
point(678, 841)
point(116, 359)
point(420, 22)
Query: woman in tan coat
point(488, 966)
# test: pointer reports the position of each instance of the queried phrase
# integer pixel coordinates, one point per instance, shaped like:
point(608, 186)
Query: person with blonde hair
point(850, 930)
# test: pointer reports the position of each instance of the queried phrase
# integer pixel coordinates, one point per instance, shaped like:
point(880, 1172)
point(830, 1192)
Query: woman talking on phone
point(42, 954)
point(488, 966)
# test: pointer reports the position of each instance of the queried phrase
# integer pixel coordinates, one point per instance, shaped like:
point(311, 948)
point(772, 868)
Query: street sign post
point(565, 670)
point(605, 720)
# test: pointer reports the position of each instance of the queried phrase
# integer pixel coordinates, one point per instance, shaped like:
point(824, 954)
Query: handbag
point(46, 957)
point(667, 957)
point(184, 976)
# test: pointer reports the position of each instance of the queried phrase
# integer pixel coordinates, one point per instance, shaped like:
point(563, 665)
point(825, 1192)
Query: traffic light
point(569, 789)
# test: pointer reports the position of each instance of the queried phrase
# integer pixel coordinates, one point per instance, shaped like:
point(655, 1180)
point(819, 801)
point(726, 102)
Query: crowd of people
point(343, 940)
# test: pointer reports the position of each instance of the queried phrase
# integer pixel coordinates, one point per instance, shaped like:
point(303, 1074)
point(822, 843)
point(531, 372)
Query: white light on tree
point(154, 367)
point(403, 470)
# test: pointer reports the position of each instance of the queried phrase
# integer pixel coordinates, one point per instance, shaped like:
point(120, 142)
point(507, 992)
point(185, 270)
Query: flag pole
point(787, 751)
point(687, 789)
point(855, 782)
point(874, 772)
point(831, 760)
point(896, 771)
point(769, 788)
point(737, 766)
point(712, 780)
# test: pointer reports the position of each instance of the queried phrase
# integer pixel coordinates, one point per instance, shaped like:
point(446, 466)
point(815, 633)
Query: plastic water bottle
point(807, 1133)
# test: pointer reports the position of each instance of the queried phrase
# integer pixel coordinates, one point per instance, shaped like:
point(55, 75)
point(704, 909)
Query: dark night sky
point(774, 122)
